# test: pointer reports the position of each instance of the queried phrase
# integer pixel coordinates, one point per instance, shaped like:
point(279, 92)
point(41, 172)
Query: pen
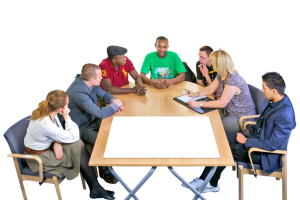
point(190, 93)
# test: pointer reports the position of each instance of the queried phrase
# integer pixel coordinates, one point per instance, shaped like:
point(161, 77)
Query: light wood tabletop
point(159, 102)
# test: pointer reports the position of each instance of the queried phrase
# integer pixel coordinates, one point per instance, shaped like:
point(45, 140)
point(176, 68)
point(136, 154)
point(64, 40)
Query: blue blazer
point(274, 134)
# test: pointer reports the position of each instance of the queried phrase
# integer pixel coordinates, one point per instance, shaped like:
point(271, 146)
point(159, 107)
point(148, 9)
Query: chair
point(258, 98)
point(189, 74)
point(256, 169)
point(15, 139)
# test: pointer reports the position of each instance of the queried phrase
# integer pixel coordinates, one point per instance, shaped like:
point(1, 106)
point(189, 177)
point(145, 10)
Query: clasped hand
point(120, 104)
point(140, 89)
point(162, 84)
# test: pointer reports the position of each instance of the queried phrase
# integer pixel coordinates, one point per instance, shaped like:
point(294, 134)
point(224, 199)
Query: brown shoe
point(109, 178)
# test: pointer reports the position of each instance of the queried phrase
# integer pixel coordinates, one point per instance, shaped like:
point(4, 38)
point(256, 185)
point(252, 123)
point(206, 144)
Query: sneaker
point(210, 188)
point(196, 183)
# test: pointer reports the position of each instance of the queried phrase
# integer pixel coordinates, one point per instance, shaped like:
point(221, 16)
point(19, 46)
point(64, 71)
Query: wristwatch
point(201, 104)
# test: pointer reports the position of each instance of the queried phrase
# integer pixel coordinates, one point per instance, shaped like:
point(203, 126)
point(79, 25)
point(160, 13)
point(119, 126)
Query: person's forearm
point(138, 80)
point(117, 90)
point(179, 78)
point(200, 82)
point(208, 79)
point(206, 91)
point(214, 104)
point(145, 79)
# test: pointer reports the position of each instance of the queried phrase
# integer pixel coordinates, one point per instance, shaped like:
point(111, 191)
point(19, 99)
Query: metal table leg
point(139, 185)
point(197, 194)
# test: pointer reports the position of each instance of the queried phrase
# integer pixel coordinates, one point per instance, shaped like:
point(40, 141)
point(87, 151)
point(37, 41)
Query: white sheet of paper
point(161, 137)
point(186, 99)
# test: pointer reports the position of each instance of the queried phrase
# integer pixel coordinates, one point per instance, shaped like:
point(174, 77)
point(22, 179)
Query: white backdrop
point(45, 44)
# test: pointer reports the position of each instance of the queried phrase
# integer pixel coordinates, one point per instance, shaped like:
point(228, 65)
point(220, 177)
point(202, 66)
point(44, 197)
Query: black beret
point(115, 50)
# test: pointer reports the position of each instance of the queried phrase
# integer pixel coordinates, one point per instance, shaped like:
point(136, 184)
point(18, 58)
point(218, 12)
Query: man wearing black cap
point(115, 69)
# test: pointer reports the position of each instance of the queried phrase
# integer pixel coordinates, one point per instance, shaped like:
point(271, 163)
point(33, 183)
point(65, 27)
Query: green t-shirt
point(163, 68)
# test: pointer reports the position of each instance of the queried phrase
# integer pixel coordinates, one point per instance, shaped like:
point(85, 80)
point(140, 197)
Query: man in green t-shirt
point(166, 66)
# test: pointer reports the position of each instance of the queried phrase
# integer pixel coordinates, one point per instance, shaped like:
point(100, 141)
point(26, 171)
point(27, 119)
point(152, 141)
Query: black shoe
point(104, 196)
point(109, 178)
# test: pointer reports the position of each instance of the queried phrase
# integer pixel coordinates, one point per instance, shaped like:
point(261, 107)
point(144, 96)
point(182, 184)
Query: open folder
point(184, 99)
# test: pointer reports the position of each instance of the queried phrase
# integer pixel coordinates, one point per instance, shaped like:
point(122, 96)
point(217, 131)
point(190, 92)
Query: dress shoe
point(109, 178)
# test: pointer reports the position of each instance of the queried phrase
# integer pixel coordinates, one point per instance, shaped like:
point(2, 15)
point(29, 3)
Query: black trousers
point(239, 153)
point(89, 133)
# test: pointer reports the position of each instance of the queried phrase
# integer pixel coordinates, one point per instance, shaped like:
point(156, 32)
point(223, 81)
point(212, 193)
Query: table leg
point(139, 185)
point(197, 194)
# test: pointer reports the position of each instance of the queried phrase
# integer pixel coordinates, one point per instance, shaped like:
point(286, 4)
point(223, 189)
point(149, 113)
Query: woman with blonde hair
point(62, 152)
point(235, 96)
point(236, 101)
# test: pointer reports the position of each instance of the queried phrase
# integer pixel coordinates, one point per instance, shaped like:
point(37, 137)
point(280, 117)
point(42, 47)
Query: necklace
point(53, 121)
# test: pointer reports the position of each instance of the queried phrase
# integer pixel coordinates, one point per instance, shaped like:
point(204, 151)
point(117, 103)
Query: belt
point(37, 152)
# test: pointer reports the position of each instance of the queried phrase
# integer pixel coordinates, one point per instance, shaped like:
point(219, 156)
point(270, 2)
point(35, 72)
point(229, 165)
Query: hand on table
point(58, 151)
point(168, 82)
point(140, 89)
point(118, 102)
point(194, 104)
point(121, 109)
point(158, 84)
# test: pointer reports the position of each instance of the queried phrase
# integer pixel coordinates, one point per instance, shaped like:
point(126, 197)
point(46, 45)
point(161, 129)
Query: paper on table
point(186, 99)
point(161, 137)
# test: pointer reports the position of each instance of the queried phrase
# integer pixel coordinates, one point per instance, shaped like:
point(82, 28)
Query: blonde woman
point(235, 96)
point(62, 152)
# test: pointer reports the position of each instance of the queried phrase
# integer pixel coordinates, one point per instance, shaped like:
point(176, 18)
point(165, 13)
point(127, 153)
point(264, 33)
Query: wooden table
point(159, 102)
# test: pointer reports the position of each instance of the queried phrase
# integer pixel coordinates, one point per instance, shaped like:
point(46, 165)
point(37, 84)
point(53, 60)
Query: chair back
point(15, 138)
point(189, 74)
point(258, 98)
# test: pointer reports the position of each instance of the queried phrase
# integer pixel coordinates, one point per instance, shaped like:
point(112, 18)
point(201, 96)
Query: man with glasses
point(204, 68)
point(115, 69)
point(165, 66)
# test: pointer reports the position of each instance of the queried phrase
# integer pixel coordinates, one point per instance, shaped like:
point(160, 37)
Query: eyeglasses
point(202, 57)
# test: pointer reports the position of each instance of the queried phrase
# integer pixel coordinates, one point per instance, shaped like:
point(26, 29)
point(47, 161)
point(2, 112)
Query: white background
point(43, 45)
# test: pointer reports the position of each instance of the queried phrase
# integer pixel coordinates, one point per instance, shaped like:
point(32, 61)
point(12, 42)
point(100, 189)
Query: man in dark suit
point(271, 132)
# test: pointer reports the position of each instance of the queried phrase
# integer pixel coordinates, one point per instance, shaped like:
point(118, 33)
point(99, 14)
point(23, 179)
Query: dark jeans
point(239, 153)
point(89, 133)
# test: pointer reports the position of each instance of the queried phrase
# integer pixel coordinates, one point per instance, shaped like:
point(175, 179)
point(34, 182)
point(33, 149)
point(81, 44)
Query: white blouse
point(40, 134)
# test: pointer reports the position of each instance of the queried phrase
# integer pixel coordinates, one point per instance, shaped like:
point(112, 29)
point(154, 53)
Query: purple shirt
point(240, 104)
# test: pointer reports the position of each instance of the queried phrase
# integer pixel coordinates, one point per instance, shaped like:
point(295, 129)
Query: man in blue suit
point(271, 132)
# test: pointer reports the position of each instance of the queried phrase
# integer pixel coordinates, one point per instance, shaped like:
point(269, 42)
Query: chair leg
point(57, 187)
point(241, 182)
point(83, 181)
point(20, 178)
point(284, 177)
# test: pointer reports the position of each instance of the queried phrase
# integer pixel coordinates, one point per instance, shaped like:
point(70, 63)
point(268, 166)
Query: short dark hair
point(89, 71)
point(274, 81)
point(207, 49)
point(161, 38)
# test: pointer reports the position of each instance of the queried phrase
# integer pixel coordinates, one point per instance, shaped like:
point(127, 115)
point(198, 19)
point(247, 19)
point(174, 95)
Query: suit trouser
point(89, 133)
point(239, 153)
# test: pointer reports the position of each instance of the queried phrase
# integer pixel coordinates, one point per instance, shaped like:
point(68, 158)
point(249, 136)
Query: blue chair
point(15, 139)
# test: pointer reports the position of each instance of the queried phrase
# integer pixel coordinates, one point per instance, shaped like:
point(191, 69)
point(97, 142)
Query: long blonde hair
point(222, 63)
point(55, 99)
